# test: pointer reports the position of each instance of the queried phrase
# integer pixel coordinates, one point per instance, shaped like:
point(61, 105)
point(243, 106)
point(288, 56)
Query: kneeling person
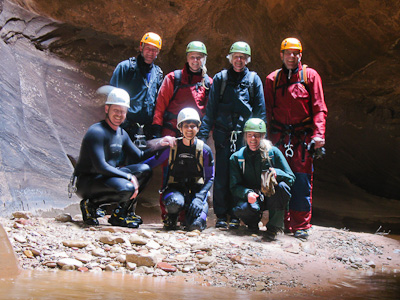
point(101, 177)
point(190, 175)
point(248, 166)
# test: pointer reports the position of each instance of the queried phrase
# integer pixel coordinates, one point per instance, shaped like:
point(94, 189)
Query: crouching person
point(190, 175)
point(100, 175)
point(260, 179)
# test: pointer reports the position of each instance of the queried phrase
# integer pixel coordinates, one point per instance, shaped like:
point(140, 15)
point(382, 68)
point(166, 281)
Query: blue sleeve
point(211, 109)
point(259, 101)
point(208, 171)
point(158, 159)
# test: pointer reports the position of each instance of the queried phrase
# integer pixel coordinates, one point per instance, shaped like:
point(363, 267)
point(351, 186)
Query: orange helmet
point(291, 43)
point(153, 39)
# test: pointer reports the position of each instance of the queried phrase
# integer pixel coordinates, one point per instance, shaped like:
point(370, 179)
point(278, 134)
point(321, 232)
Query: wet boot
point(198, 224)
point(89, 214)
point(234, 223)
point(221, 222)
point(170, 222)
point(120, 218)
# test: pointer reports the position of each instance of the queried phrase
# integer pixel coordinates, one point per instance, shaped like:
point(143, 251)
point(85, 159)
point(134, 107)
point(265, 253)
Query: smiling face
point(149, 53)
point(291, 58)
point(115, 115)
point(189, 129)
point(195, 61)
point(239, 61)
point(253, 140)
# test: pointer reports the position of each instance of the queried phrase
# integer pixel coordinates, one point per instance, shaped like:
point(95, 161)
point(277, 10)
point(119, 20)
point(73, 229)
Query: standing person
point(100, 177)
point(257, 160)
point(189, 177)
point(141, 78)
point(296, 114)
point(188, 87)
point(236, 95)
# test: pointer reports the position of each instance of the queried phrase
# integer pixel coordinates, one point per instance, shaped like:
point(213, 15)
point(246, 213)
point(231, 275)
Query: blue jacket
point(235, 107)
point(143, 91)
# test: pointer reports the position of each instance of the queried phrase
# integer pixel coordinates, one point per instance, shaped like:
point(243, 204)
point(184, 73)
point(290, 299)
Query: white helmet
point(187, 114)
point(118, 96)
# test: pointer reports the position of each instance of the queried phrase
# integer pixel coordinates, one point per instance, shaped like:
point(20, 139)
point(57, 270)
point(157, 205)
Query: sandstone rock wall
point(55, 54)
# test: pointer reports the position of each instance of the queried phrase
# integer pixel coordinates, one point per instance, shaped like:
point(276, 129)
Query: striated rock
point(147, 260)
point(75, 244)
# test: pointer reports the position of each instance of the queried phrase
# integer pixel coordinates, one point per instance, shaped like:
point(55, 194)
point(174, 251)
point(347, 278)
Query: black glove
point(195, 208)
point(156, 131)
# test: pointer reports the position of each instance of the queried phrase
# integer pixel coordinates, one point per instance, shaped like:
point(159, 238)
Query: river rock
point(22, 214)
point(111, 240)
point(131, 266)
point(83, 257)
point(75, 244)
point(70, 262)
point(145, 233)
point(140, 259)
point(137, 240)
point(166, 267)
point(64, 218)
point(153, 245)
point(121, 258)
point(207, 260)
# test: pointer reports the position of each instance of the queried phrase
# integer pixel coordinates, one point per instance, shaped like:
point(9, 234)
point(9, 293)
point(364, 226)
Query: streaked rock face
point(54, 55)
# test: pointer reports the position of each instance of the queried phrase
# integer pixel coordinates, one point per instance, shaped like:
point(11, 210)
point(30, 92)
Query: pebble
point(166, 267)
point(111, 240)
point(20, 239)
point(70, 262)
point(64, 218)
point(75, 244)
point(22, 214)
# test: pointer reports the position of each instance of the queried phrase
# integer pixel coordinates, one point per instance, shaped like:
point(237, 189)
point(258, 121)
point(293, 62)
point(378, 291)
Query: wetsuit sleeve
point(157, 159)
point(283, 171)
point(319, 109)
point(211, 109)
point(235, 181)
point(208, 173)
point(164, 96)
point(259, 102)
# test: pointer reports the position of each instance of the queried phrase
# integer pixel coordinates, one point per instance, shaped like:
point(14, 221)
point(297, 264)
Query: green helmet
point(255, 125)
point(240, 47)
point(196, 46)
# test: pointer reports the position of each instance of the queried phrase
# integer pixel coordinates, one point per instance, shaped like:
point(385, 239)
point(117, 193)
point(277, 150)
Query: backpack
point(225, 81)
point(178, 85)
point(199, 156)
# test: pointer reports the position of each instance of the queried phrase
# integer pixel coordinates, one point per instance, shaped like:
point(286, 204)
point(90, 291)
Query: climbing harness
point(233, 139)
point(140, 138)
point(72, 186)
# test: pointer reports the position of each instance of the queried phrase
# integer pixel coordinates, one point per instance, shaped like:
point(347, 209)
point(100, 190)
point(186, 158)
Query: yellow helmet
point(153, 39)
point(291, 43)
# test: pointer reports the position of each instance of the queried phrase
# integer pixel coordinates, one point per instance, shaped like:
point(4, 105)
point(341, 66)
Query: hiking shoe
point(170, 222)
point(221, 223)
point(301, 234)
point(88, 212)
point(118, 218)
point(135, 217)
point(253, 228)
point(234, 223)
point(100, 212)
point(198, 224)
point(271, 233)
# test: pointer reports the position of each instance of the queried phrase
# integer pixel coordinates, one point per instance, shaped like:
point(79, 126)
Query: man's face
point(149, 53)
point(189, 129)
point(291, 58)
point(116, 114)
point(239, 61)
point(195, 61)
point(253, 140)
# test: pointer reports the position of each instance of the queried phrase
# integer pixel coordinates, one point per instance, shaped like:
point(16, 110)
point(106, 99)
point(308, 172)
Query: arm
point(319, 109)
point(269, 99)
point(211, 109)
point(259, 101)
point(208, 173)
point(164, 96)
point(236, 183)
point(157, 160)
point(281, 167)
point(119, 75)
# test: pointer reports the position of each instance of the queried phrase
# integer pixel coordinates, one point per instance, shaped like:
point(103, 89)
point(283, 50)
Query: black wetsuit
point(100, 175)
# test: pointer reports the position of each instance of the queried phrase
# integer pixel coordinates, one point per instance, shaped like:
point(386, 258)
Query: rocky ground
point(213, 257)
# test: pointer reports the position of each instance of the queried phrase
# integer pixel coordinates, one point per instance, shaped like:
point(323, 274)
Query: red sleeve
point(164, 96)
point(319, 108)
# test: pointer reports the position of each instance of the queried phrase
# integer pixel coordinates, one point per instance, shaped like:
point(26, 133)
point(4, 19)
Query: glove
point(156, 131)
point(195, 208)
point(268, 182)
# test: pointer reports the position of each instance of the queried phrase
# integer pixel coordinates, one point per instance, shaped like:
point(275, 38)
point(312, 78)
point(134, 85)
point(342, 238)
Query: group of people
point(151, 121)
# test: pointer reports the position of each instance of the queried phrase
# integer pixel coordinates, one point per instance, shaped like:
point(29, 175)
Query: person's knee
point(247, 211)
point(174, 201)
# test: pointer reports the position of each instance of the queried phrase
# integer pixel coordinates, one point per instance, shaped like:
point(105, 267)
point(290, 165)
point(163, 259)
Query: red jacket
point(291, 105)
point(190, 96)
